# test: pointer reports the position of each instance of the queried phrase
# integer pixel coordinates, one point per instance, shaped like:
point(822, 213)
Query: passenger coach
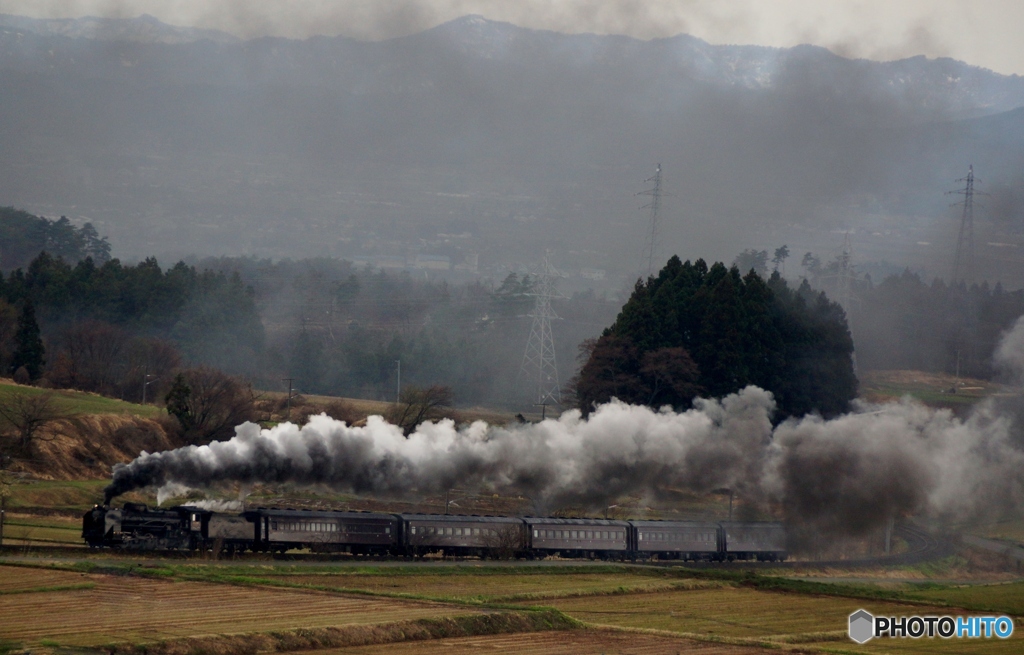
point(359, 533)
point(761, 540)
point(676, 539)
point(594, 538)
point(462, 535)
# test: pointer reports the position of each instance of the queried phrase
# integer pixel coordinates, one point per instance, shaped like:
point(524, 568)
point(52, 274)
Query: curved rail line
point(923, 547)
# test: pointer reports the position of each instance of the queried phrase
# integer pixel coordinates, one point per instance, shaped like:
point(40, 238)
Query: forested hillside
point(23, 236)
point(331, 327)
point(698, 330)
point(905, 323)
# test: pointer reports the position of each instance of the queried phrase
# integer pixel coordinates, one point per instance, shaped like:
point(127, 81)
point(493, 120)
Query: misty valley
point(488, 337)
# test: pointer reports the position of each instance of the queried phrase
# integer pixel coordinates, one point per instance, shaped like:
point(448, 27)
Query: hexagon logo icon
point(862, 626)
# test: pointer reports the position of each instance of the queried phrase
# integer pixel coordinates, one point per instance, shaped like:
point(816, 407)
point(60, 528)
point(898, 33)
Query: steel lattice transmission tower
point(539, 365)
point(845, 280)
point(963, 262)
point(845, 275)
point(651, 243)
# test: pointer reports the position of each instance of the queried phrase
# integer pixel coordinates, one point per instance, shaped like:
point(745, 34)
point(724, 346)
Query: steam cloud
point(841, 477)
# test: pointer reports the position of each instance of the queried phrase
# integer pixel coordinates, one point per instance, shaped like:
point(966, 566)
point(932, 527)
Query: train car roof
point(533, 520)
point(675, 524)
point(750, 524)
point(459, 518)
point(317, 514)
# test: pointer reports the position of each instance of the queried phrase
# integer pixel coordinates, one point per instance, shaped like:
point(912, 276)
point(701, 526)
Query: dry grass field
point(165, 606)
point(126, 608)
point(747, 614)
point(26, 530)
point(494, 587)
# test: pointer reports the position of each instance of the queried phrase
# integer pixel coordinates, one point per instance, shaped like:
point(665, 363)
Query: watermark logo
point(864, 627)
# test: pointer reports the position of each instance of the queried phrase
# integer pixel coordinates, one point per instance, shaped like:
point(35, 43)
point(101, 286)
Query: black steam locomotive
point(137, 527)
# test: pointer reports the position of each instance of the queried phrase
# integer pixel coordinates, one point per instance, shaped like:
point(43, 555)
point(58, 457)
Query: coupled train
point(138, 527)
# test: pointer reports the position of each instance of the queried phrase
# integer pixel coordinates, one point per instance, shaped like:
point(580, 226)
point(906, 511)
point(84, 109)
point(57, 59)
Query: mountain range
point(482, 139)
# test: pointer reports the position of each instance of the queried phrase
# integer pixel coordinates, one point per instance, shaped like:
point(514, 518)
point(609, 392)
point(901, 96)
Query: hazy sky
point(983, 32)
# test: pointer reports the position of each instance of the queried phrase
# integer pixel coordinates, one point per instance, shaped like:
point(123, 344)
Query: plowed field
point(552, 643)
point(120, 608)
point(15, 579)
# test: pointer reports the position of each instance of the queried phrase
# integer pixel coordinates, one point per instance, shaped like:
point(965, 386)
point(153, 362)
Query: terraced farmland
point(17, 580)
point(25, 530)
point(122, 608)
point(751, 614)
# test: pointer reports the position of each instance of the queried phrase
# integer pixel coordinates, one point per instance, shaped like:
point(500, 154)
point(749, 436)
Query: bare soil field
point(570, 642)
point(127, 608)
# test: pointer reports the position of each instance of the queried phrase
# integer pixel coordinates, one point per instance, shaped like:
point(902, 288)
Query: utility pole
point(288, 415)
point(539, 358)
point(145, 384)
point(651, 242)
point(543, 410)
point(963, 262)
point(398, 387)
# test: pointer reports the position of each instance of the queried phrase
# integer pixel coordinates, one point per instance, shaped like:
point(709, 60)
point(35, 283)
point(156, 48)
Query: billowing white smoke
point(619, 449)
point(839, 477)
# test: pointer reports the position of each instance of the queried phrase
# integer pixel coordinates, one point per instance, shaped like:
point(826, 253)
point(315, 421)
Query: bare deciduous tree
point(26, 413)
point(418, 404)
point(208, 404)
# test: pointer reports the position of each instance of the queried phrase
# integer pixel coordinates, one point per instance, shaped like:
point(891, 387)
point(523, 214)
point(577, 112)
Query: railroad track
point(923, 547)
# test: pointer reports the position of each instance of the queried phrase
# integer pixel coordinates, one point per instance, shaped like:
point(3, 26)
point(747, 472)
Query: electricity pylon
point(846, 275)
point(651, 243)
point(963, 262)
point(539, 364)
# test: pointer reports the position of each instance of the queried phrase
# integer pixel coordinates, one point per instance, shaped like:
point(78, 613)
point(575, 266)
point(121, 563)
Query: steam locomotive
point(189, 528)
